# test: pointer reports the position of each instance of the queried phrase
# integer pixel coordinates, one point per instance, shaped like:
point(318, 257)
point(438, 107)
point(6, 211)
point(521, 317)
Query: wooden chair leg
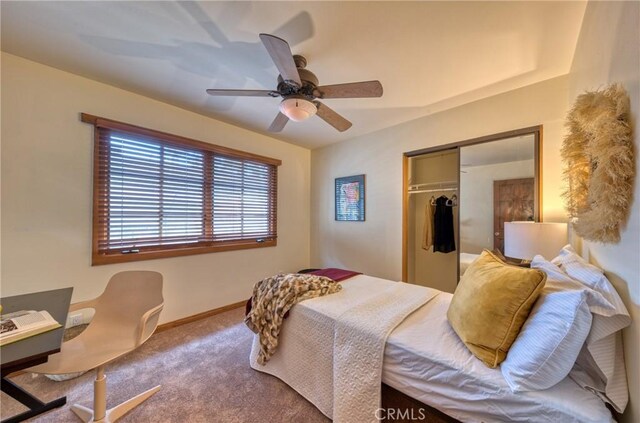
point(99, 412)
point(118, 411)
point(85, 413)
point(99, 395)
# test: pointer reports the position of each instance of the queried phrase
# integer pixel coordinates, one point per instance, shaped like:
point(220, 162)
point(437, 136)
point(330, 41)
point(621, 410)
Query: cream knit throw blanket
point(273, 297)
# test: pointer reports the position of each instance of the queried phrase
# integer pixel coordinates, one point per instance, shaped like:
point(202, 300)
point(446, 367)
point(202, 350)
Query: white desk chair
point(126, 314)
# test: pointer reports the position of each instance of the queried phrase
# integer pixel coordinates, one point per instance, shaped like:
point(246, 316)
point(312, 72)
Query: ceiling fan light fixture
point(298, 109)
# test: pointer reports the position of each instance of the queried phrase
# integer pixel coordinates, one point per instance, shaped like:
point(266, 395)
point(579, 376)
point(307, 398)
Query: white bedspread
point(331, 348)
point(426, 360)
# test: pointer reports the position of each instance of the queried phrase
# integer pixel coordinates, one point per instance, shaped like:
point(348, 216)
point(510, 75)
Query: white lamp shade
point(298, 109)
point(524, 240)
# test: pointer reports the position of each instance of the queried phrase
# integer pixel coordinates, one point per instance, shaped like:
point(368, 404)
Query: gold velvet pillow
point(490, 305)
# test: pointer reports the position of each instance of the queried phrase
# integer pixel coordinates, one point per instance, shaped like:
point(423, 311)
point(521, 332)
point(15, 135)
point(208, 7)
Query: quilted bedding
point(331, 348)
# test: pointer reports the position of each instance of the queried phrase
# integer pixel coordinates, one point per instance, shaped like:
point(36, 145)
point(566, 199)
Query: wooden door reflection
point(513, 200)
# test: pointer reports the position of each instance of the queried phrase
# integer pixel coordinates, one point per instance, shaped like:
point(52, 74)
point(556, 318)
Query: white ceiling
point(429, 56)
point(500, 151)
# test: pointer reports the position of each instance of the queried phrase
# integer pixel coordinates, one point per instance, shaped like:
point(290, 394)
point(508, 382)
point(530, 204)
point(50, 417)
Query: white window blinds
point(155, 194)
point(242, 205)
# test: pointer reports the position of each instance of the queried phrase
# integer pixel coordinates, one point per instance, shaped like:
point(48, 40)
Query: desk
point(34, 350)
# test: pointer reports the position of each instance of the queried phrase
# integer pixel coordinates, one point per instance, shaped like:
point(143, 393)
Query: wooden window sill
point(100, 259)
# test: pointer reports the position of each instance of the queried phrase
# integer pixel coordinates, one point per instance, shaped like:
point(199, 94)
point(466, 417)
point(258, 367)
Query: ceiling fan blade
point(278, 123)
point(243, 93)
point(332, 118)
point(281, 55)
point(350, 90)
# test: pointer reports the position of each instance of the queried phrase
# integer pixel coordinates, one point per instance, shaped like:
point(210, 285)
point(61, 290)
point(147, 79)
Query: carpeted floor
point(204, 371)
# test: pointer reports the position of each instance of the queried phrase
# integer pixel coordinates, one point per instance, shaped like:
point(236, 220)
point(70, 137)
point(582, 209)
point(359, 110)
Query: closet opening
point(432, 219)
point(457, 197)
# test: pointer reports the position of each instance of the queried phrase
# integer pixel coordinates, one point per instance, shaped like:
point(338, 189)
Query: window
point(159, 195)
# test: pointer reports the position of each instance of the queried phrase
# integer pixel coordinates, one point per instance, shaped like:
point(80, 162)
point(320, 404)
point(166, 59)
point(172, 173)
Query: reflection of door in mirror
point(498, 183)
point(513, 200)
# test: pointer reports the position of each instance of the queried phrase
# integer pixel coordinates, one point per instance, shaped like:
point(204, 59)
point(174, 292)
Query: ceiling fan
point(300, 90)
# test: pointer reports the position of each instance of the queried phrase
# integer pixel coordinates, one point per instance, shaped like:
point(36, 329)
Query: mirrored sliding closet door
point(459, 196)
point(498, 184)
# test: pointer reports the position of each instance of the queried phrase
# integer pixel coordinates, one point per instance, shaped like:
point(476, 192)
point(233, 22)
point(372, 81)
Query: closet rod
point(433, 184)
point(432, 190)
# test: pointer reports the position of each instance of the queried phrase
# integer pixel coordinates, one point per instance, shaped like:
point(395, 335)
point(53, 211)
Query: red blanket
point(337, 275)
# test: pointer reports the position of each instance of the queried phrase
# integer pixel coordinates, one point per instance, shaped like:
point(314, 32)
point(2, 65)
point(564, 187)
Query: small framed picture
point(350, 198)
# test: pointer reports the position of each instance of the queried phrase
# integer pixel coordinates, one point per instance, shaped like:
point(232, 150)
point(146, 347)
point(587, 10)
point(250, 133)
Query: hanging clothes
point(427, 232)
point(443, 236)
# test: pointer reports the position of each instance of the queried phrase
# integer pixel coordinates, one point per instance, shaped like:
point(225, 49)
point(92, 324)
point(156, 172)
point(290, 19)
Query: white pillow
point(550, 340)
point(604, 300)
point(602, 359)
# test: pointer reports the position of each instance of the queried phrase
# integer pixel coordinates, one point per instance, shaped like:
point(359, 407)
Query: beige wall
point(375, 246)
point(46, 193)
point(608, 50)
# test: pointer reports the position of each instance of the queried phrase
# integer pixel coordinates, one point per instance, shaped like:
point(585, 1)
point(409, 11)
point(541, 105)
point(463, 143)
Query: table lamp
point(524, 240)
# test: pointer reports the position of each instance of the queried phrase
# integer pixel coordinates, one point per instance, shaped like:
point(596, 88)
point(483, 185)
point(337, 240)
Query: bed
point(423, 359)
point(446, 376)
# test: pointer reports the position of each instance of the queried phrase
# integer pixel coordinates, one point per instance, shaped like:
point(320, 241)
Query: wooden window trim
point(175, 139)
point(99, 259)
point(150, 253)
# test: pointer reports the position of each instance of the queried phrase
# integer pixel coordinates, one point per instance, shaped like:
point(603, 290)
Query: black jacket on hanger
point(443, 236)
